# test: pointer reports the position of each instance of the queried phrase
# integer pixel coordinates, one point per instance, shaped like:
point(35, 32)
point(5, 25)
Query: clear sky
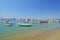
point(30, 8)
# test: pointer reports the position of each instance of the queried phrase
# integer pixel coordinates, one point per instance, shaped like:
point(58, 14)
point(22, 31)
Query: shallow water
point(6, 31)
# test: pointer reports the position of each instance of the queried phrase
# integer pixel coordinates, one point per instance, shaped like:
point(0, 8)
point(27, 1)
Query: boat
point(25, 24)
point(2, 21)
point(43, 22)
point(7, 23)
point(59, 21)
point(28, 20)
point(50, 21)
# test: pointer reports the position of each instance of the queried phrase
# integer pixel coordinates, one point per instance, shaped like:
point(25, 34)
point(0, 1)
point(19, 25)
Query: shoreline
point(35, 35)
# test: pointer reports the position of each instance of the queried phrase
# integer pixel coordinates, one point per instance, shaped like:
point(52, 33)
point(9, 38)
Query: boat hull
point(8, 24)
point(24, 25)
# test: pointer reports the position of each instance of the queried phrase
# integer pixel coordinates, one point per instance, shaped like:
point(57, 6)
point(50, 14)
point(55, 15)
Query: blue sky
point(30, 8)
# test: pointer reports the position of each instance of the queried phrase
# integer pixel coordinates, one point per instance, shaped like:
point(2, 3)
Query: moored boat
point(43, 21)
point(25, 24)
point(50, 21)
point(7, 23)
point(59, 21)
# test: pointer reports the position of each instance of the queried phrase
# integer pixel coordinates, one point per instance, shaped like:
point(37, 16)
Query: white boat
point(50, 21)
point(8, 24)
point(28, 20)
point(25, 24)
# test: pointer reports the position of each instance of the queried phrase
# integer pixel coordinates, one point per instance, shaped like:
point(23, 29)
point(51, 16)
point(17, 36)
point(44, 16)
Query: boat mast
point(1, 16)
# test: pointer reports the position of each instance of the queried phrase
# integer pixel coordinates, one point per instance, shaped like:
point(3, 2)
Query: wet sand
point(48, 34)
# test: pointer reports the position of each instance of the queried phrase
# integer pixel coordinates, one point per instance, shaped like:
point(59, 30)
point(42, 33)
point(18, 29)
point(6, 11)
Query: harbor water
point(7, 31)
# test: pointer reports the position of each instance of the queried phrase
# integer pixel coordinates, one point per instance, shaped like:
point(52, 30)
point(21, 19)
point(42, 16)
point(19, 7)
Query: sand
point(55, 36)
point(48, 34)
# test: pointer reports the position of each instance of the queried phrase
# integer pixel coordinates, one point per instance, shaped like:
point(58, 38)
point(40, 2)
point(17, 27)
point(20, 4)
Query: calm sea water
point(15, 29)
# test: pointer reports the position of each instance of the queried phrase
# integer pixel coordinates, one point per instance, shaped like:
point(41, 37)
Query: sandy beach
point(47, 34)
